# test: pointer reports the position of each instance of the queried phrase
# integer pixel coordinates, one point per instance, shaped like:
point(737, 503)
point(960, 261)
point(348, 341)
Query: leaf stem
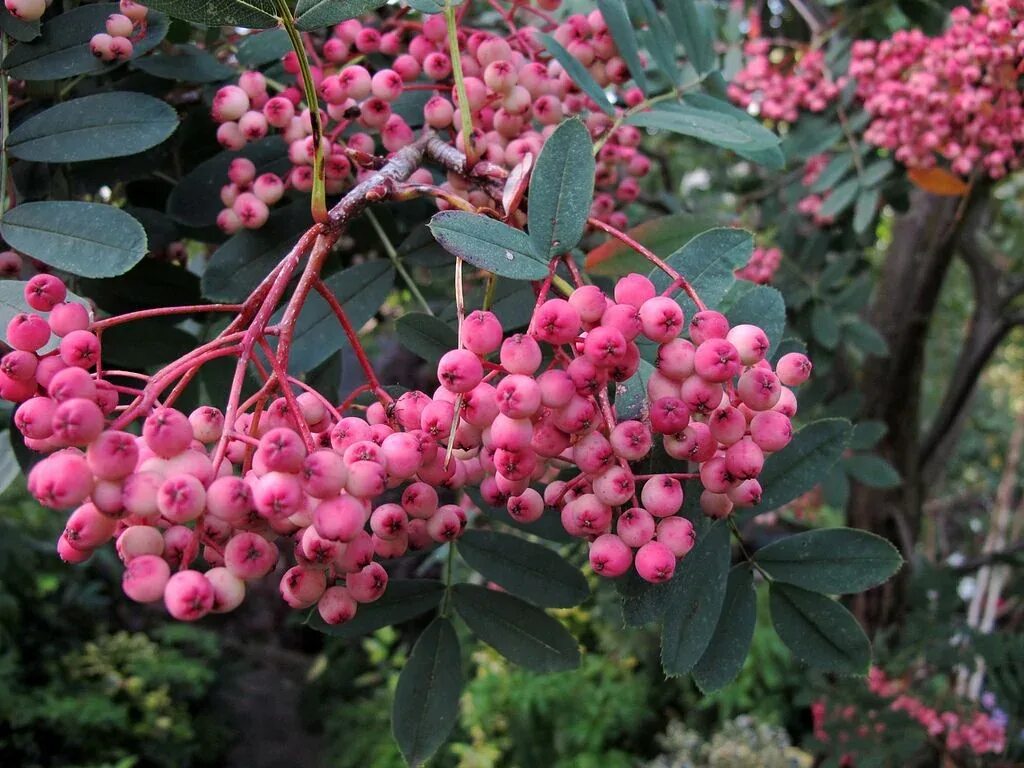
point(5, 120)
point(465, 113)
point(319, 204)
point(743, 549)
point(392, 253)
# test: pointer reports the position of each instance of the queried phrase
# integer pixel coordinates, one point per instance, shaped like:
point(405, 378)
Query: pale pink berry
point(770, 430)
point(716, 360)
point(341, 518)
point(419, 500)
point(27, 332)
point(518, 396)
point(750, 341)
point(61, 480)
point(759, 389)
point(526, 507)
point(389, 521)
point(744, 459)
point(277, 495)
point(793, 369)
point(590, 302)
point(610, 556)
point(138, 540)
point(207, 424)
point(459, 370)
point(228, 589)
point(481, 332)
point(181, 498)
point(604, 346)
point(336, 605)
point(77, 422)
point(708, 324)
point(242, 172)
point(715, 505)
point(655, 562)
point(635, 526)
point(88, 528)
point(445, 524)
point(145, 578)
point(68, 316)
point(631, 440)
point(677, 534)
point(625, 318)
point(229, 499)
point(634, 289)
point(301, 587)
point(727, 425)
point(139, 494)
point(520, 354)
point(26, 10)
point(249, 556)
point(661, 319)
point(662, 495)
point(230, 103)
point(746, 494)
point(44, 292)
point(556, 322)
point(80, 349)
point(366, 479)
point(69, 554)
point(367, 584)
point(167, 432)
point(122, 48)
point(34, 417)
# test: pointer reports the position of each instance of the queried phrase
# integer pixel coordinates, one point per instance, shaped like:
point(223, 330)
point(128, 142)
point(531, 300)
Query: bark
point(925, 240)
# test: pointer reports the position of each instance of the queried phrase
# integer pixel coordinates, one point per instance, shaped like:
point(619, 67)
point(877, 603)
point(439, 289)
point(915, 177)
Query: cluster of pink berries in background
point(116, 43)
point(778, 83)
point(976, 731)
point(516, 97)
point(810, 205)
point(761, 268)
point(956, 96)
point(248, 196)
point(345, 490)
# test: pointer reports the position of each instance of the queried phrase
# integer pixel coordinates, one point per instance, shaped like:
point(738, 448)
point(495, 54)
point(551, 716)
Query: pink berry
point(635, 526)
point(167, 432)
point(228, 589)
point(34, 417)
point(759, 389)
point(661, 318)
point(367, 584)
point(44, 292)
point(459, 370)
point(708, 324)
point(793, 369)
point(68, 316)
point(188, 596)
point(336, 606)
point(145, 578)
point(750, 341)
point(26, 10)
point(27, 332)
point(610, 556)
point(716, 360)
point(77, 422)
point(249, 556)
point(88, 528)
point(80, 349)
point(520, 354)
point(181, 498)
point(655, 562)
point(771, 430)
point(634, 289)
point(677, 534)
point(662, 495)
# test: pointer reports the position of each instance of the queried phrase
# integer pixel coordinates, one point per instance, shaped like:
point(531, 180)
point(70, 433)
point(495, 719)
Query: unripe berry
point(119, 25)
point(207, 424)
point(26, 10)
point(228, 589)
point(138, 540)
point(230, 103)
point(655, 562)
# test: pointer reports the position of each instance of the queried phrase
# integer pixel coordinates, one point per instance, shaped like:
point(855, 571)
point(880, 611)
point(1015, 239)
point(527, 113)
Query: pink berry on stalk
point(655, 562)
point(145, 578)
point(459, 370)
point(793, 369)
point(188, 596)
point(677, 534)
point(610, 556)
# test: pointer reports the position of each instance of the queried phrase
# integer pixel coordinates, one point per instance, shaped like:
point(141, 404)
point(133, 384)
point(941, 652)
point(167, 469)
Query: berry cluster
point(516, 96)
point(116, 43)
point(956, 95)
point(345, 489)
point(778, 84)
point(810, 205)
point(975, 731)
point(762, 266)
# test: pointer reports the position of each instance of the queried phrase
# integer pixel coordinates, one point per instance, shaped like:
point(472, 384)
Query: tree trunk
point(923, 245)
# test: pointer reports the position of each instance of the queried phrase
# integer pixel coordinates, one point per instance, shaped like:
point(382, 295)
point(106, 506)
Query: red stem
point(142, 314)
point(651, 257)
point(353, 338)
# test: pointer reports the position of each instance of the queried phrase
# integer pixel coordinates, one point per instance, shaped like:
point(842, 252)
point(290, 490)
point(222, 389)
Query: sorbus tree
point(175, 347)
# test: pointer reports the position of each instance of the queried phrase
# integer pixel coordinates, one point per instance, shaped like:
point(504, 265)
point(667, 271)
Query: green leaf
point(615, 16)
point(425, 335)
point(144, 343)
point(708, 262)
point(835, 488)
point(427, 6)
point(577, 73)
point(488, 244)
point(246, 258)
point(531, 571)
point(728, 647)
point(261, 48)
point(9, 467)
point(22, 31)
point(803, 463)
point(864, 337)
point(864, 210)
point(195, 200)
point(404, 599)
point(426, 705)
point(840, 199)
point(661, 235)
point(520, 632)
point(62, 50)
point(694, 601)
point(694, 34)
point(631, 401)
point(833, 561)
point(812, 136)
point(836, 169)
point(93, 128)
point(253, 14)
point(866, 434)
point(12, 302)
point(549, 526)
point(824, 325)
point(764, 307)
point(187, 63)
point(85, 239)
point(876, 173)
point(716, 122)
point(819, 631)
point(361, 290)
point(659, 41)
point(872, 470)
point(561, 190)
point(315, 14)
